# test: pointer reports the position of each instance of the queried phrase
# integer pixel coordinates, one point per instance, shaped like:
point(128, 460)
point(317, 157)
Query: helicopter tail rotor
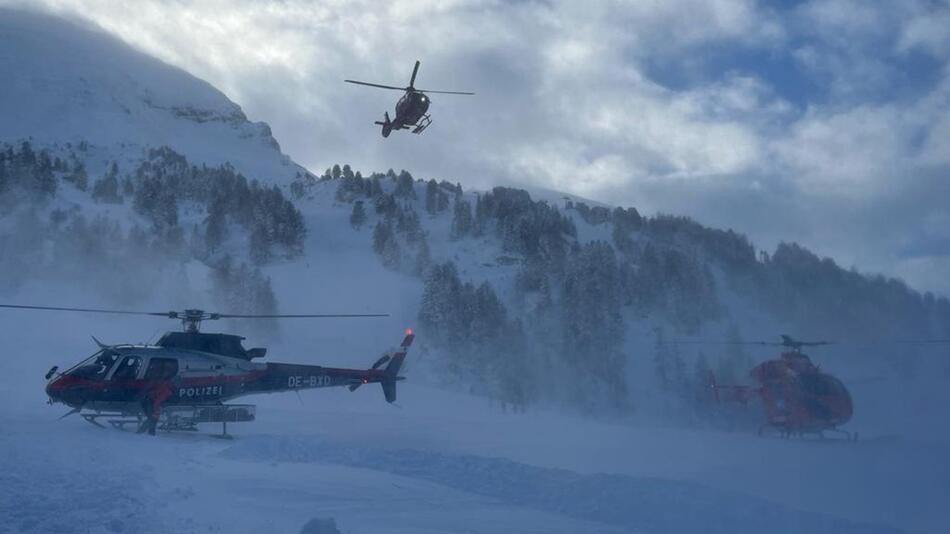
point(392, 368)
point(386, 124)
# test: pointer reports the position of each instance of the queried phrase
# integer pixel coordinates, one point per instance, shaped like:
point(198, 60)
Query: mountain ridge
point(70, 82)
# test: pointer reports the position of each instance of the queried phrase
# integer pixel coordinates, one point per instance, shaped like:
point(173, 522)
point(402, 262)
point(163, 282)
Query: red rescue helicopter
point(186, 378)
point(797, 396)
point(411, 108)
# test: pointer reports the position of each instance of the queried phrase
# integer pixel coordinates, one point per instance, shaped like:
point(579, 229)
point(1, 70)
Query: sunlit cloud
point(714, 109)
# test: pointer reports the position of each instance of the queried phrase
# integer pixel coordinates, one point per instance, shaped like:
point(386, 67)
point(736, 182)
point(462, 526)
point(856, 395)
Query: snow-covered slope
point(67, 83)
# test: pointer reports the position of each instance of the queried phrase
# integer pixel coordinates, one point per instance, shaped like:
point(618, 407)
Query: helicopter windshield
point(96, 366)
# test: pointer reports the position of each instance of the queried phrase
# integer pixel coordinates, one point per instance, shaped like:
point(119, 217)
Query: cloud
point(825, 122)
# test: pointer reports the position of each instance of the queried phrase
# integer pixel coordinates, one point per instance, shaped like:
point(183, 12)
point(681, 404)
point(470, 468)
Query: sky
point(823, 122)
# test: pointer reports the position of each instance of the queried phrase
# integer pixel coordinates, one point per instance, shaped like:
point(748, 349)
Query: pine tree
point(216, 229)
point(128, 188)
point(423, 257)
point(358, 215)
point(375, 189)
point(592, 327)
point(386, 245)
point(440, 310)
point(263, 299)
point(386, 206)
point(432, 196)
point(106, 189)
point(44, 181)
point(78, 176)
point(259, 246)
point(351, 186)
point(481, 216)
point(442, 200)
point(661, 363)
point(407, 223)
point(462, 219)
point(404, 186)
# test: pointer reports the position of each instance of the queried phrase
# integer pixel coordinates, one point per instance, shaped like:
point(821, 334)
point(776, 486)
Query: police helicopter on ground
point(187, 377)
point(411, 108)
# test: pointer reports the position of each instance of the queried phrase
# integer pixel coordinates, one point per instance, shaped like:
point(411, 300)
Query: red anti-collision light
point(409, 331)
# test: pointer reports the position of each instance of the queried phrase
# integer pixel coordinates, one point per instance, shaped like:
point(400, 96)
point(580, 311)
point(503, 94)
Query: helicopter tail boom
point(392, 369)
point(387, 377)
point(740, 394)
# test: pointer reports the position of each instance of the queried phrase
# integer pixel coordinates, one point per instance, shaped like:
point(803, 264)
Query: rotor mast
point(191, 319)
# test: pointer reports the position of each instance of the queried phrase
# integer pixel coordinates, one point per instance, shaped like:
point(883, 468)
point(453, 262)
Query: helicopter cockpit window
point(96, 366)
point(816, 384)
point(128, 369)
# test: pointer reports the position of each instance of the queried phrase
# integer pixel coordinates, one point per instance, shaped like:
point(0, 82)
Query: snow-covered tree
point(462, 219)
point(386, 245)
point(358, 215)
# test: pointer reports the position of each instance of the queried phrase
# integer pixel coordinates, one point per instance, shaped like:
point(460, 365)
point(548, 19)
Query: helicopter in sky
point(411, 108)
point(187, 377)
point(798, 397)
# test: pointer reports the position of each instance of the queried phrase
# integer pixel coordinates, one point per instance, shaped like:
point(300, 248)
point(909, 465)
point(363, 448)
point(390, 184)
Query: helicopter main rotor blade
point(84, 310)
point(412, 80)
point(443, 92)
point(185, 314)
point(377, 85)
point(701, 342)
point(298, 316)
point(905, 341)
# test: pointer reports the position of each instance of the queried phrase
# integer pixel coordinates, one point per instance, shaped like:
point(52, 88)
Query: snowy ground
point(446, 462)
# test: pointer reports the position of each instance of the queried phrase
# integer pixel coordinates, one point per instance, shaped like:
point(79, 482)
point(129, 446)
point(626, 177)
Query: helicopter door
point(161, 369)
point(122, 386)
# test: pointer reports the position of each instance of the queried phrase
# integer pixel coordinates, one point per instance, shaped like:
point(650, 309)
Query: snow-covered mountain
point(127, 182)
point(67, 83)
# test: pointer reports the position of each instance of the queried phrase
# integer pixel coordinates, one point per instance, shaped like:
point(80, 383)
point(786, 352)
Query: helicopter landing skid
point(809, 435)
point(423, 123)
point(180, 418)
point(91, 418)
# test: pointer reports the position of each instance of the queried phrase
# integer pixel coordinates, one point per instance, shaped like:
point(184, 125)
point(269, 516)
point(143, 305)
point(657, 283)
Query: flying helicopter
point(797, 396)
point(187, 377)
point(411, 108)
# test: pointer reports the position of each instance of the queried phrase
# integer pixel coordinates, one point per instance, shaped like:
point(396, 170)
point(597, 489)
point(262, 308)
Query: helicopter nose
point(55, 389)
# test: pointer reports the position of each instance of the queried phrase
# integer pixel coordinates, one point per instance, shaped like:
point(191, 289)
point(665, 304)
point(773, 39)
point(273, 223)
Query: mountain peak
point(69, 82)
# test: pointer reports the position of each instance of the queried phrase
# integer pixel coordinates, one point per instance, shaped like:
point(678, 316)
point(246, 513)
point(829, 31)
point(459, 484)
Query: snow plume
point(533, 303)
